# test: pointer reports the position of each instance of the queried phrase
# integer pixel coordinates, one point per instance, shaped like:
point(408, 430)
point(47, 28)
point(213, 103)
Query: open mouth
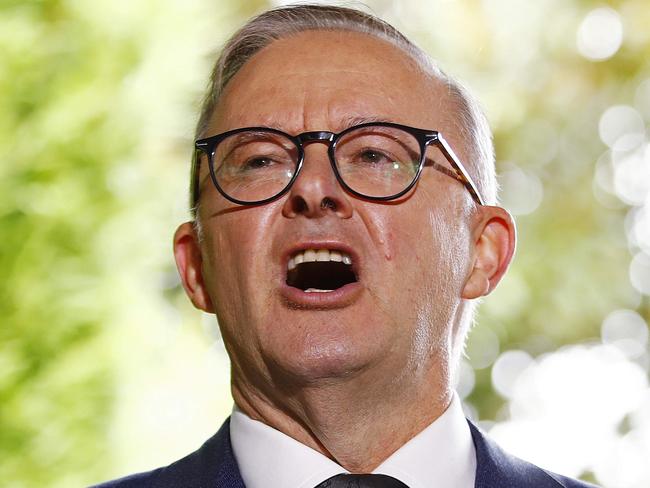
point(320, 270)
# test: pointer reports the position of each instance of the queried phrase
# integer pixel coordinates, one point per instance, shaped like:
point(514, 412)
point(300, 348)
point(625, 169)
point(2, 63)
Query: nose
point(316, 191)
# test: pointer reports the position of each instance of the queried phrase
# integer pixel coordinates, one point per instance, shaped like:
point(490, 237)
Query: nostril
point(328, 203)
point(299, 205)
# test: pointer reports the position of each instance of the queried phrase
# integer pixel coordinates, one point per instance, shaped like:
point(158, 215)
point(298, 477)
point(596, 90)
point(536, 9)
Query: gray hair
point(283, 22)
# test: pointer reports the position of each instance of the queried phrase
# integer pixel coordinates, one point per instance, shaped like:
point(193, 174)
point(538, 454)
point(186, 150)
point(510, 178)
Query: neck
point(356, 422)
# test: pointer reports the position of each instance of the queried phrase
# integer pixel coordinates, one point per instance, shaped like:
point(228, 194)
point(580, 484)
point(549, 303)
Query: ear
point(494, 246)
point(187, 252)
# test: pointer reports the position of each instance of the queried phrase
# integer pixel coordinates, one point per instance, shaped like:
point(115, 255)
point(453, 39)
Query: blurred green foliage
point(57, 141)
point(68, 137)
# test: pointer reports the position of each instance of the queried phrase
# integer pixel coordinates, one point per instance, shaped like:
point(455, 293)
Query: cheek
point(227, 269)
point(218, 261)
point(237, 238)
point(444, 237)
point(440, 279)
point(234, 254)
point(440, 252)
point(427, 260)
point(448, 251)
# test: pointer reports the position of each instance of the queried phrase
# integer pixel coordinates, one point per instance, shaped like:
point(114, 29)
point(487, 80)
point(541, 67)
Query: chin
point(316, 362)
point(306, 345)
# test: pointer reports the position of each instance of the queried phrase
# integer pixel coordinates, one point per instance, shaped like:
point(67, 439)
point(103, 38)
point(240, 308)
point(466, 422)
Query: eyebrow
point(352, 120)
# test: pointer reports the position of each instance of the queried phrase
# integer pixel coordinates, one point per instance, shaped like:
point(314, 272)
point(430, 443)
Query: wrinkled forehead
point(327, 76)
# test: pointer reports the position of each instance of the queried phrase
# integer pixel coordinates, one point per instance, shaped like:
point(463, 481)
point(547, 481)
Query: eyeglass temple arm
point(194, 180)
point(460, 173)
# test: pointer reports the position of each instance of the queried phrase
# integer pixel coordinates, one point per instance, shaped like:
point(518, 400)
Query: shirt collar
point(267, 457)
point(442, 453)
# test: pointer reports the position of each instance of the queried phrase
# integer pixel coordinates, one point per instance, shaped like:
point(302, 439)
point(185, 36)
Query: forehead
point(320, 80)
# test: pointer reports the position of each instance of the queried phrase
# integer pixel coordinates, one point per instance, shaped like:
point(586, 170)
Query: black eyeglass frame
point(424, 137)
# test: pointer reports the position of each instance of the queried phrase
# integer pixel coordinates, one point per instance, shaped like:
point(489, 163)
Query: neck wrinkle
point(337, 420)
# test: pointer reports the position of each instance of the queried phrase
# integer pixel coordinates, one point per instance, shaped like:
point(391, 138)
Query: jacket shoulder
point(495, 467)
point(139, 480)
point(213, 464)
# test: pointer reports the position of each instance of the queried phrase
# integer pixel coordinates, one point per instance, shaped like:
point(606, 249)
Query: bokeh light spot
point(638, 226)
point(465, 379)
point(632, 175)
point(600, 34)
point(640, 273)
point(521, 191)
point(507, 368)
point(579, 394)
point(627, 331)
point(621, 127)
point(482, 347)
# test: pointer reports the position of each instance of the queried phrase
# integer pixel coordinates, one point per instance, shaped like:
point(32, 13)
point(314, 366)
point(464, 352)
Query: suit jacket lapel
point(217, 457)
point(213, 465)
point(495, 467)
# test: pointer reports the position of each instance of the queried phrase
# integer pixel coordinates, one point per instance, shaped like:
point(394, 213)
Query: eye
point(260, 162)
point(373, 156)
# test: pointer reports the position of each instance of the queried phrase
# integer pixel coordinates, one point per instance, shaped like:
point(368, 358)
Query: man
point(345, 226)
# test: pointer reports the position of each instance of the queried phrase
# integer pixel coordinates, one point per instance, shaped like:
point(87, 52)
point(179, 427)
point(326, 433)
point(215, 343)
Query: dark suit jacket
point(213, 465)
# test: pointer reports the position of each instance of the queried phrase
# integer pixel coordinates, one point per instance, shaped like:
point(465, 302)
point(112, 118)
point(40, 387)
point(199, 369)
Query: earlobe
point(187, 253)
point(494, 247)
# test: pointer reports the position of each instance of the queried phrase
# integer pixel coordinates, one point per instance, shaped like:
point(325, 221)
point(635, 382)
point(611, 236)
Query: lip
point(338, 298)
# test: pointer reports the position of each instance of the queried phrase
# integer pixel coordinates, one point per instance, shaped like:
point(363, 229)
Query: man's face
point(411, 257)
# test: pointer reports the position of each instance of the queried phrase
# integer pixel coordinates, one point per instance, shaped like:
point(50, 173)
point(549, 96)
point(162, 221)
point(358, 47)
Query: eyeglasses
point(376, 161)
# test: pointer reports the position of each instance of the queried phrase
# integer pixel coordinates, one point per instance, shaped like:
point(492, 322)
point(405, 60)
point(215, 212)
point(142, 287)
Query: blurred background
point(105, 367)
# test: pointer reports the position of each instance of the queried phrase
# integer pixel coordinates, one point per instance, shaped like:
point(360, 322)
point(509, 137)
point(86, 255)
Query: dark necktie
point(361, 481)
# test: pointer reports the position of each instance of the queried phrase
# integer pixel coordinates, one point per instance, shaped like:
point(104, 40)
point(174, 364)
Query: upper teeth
point(313, 255)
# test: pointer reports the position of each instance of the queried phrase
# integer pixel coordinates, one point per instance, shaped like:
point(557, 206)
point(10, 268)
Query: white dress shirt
point(441, 456)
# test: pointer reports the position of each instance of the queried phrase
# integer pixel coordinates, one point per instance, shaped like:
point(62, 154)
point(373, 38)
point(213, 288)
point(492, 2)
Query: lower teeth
point(316, 290)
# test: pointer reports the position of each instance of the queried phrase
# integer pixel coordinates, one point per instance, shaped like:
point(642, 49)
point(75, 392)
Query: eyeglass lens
point(376, 161)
